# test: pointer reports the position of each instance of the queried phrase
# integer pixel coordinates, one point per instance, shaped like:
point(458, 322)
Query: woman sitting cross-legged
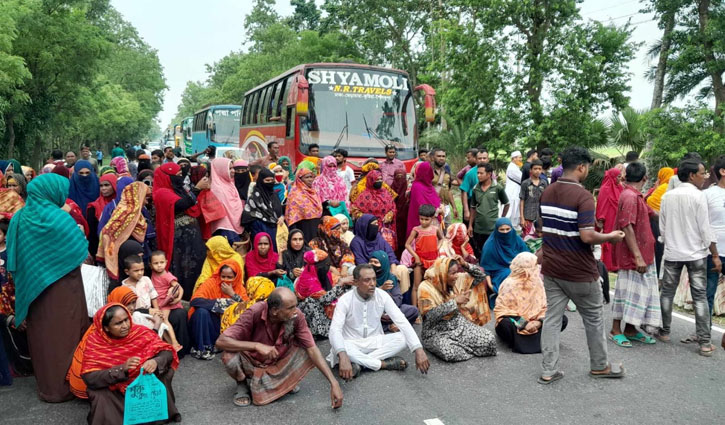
point(454, 309)
point(116, 350)
point(521, 306)
point(209, 302)
point(498, 252)
point(316, 293)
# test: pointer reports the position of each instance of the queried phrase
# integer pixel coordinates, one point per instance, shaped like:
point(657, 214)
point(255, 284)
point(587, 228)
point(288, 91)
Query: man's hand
point(421, 361)
point(455, 213)
point(336, 395)
point(470, 231)
point(131, 363)
point(345, 366)
point(641, 266)
point(267, 351)
point(616, 236)
point(227, 289)
point(149, 366)
point(717, 264)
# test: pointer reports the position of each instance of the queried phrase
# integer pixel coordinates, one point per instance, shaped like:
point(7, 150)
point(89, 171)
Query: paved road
point(666, 384)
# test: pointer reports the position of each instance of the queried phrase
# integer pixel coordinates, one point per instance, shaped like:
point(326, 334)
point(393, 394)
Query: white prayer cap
point(514, 154)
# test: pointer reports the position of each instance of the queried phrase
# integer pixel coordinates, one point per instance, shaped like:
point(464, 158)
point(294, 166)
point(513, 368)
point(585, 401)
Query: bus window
point(271, 112)
point(245, 108)
point(282, 108)
point(290, 122)
point(263, 97)
point(253, 109)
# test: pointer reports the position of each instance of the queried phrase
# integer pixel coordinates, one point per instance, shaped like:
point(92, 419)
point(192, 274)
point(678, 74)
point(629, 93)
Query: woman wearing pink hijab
point(421, 192)
point(222, 186)
point(607, 203)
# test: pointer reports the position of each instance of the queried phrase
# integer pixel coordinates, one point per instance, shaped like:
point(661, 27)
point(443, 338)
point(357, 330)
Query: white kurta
point(513, 187)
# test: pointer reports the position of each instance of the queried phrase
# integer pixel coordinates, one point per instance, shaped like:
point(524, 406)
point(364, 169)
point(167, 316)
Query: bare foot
point(393, 328)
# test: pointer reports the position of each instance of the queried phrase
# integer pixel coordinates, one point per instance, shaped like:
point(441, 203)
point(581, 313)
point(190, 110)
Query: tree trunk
point(669, 23)
point(703, 12)
point(11, 135)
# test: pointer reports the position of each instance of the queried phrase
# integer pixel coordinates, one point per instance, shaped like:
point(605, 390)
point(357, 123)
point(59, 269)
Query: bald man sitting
point(270, 349)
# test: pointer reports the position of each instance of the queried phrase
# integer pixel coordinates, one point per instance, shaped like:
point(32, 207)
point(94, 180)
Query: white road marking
point(434, 421)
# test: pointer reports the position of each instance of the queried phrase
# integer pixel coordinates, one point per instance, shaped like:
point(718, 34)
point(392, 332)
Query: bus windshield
point(359, 110)
point(226, 125)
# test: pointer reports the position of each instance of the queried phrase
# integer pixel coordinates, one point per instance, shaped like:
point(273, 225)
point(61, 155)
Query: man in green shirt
point(484, 206)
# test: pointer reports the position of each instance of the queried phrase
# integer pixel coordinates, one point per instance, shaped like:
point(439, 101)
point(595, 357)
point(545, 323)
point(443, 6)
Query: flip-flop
point(706, 353)
point(555, 377)
point(692, 339)
point(612, 374)
point(640, 337)
point(242, 393)
point(395, 363)
point(621, 340)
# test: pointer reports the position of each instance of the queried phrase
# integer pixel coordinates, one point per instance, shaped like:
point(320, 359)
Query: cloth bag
point(211, 208)
point(95, 285)
point(145, 401)
point(282, 235)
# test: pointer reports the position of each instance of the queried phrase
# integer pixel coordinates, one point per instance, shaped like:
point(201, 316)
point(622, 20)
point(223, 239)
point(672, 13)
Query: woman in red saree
point(606, 213)
point(379, 202)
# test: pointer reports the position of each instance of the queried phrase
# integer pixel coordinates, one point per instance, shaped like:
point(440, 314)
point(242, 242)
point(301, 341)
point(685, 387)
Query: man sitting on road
point(270, 349)
point(356, 332)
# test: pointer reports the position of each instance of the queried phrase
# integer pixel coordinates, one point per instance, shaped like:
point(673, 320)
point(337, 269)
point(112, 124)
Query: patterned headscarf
point(377, 202)
point(289, 168)
point(258, 289)
point(522, 293)
point(329, 185)
point(303, 203)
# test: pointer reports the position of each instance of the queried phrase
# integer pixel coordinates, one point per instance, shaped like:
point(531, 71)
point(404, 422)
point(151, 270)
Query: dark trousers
point(524, 344)
point(479, 240)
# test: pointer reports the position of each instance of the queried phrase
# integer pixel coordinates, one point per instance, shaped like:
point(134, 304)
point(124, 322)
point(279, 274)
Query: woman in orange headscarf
point(209, 301)
point(115, 352)
point(663, 180)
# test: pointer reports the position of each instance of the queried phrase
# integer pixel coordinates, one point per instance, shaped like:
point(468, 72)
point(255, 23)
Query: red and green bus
point(359, 108)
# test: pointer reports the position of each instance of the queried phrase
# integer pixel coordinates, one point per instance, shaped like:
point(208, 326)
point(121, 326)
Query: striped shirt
point(566, 208)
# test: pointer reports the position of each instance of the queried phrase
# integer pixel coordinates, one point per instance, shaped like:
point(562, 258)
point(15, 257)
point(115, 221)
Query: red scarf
point(103, 352)
point(102, 201)
point(164, 200)
point(257, 264)
point(377, 202)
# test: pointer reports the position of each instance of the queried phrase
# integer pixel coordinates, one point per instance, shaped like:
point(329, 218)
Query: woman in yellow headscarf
point(357, 189)
point(218, 250)
point(258, 289)
point(663, 179)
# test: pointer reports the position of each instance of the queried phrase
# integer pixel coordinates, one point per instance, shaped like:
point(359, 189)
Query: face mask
point(372, 232)
point(279, 178)
point(378, 185)
point(378, 271)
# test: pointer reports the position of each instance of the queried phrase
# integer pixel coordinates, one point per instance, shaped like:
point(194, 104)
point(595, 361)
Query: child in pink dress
point(422, 247)
point(166, 284)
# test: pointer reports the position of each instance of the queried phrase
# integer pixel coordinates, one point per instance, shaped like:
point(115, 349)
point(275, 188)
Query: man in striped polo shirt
point(569, 268)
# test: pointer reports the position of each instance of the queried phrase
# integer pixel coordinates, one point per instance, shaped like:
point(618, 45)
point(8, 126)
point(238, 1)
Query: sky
point(191, 34)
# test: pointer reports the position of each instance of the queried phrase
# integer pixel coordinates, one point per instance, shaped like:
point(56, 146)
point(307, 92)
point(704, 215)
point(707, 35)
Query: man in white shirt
point(356, 333)
point(715, 196)
point(685, 228)
point(343, 170)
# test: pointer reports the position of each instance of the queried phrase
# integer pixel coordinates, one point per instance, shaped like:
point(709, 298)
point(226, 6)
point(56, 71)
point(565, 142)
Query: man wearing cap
point(513, 187)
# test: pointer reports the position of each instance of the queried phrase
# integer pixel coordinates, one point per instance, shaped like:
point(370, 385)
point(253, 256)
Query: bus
point(186, 126)
point(360, 108)
point(216, 125)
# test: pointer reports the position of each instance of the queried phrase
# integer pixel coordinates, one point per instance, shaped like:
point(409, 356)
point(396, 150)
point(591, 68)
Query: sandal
point(621, 340)
point(395, 363)
point(612, 373)
point(690, 339)
point(555, 377)
point(662, 337)
point(640, 337)
point(707, 350)
point(241, 397)
point(356, 370)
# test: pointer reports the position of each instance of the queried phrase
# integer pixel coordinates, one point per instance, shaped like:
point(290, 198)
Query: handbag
point(211, 208)
point(282, 235)
point(95, 285)
point(145, 400)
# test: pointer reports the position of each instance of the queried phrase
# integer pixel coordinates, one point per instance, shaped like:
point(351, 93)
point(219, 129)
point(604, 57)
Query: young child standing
point(147, 297)
point(167, 286)
point(422, 246)
point(530, 196)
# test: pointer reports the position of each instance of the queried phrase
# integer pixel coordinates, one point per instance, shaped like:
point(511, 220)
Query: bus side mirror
point(429, 101)
point(299, 95)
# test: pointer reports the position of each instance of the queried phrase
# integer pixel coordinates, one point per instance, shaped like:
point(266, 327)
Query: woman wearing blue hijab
point(84, 185)
point(498, 252)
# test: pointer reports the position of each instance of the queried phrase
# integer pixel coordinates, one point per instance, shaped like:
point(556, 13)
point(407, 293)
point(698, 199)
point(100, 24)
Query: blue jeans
point(697, 272)
point(712, 278)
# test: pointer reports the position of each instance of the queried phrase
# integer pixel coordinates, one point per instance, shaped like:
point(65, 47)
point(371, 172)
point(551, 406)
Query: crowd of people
point(165, 256)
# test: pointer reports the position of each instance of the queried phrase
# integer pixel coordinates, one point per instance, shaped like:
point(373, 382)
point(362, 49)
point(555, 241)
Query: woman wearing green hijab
point(45, 249)
point(13, 167)
point(286, 164)
point(388, 282)
point(115, 152)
